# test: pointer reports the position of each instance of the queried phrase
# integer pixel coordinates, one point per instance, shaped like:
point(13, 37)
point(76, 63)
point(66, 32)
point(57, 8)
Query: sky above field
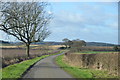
point(89, 21)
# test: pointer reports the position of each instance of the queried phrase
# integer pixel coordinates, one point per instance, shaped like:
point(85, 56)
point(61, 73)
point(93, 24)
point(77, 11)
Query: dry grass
point(93, 48)
point(8, 46)
point(35, 46)
point(99, 61)
point(47, 46)
point(99, 47)
point(56, 46)
point(20, 52)
point(13, 54)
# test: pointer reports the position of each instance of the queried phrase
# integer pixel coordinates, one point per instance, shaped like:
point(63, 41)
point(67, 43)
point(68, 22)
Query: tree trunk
point(66, 46)
point(28, 50)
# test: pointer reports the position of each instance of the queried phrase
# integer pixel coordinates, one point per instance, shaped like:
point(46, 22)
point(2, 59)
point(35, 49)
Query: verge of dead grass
point(82, 72)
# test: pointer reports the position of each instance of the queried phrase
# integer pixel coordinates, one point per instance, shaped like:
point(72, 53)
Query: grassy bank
point(16, 70)
point(94, 52)
point(80, 72)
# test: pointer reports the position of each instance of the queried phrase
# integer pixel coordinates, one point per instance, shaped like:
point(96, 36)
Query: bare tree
point(70, 43)
point(26, 21)
point(65, 40)
point(78, 44)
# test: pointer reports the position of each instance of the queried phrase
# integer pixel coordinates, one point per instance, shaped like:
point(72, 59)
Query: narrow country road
point(46, 68)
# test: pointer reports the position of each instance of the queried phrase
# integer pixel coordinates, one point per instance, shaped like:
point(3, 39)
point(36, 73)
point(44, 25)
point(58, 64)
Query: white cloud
point(92, 24)
point(113, 25)
point(49, 12)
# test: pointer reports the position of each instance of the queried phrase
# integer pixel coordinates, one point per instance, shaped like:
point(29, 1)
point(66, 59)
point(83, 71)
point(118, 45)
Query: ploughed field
point(15, 54)
point(21, 52)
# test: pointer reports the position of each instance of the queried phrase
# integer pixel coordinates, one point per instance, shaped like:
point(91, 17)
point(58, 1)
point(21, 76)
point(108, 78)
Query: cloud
point(83, 0)
point(91, 23)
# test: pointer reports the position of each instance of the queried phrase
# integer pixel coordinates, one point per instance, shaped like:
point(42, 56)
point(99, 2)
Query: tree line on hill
point(5, 42)
point(79, 45)
point(76, 45)
point(58, 43)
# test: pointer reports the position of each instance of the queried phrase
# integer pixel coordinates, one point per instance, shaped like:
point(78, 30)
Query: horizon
point(59, 41)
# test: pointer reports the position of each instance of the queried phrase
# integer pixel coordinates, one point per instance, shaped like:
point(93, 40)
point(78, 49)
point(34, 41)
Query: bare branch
point(27, 21)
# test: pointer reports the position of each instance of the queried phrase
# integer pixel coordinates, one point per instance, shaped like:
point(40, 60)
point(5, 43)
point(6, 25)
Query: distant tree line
point(80, 45)
point(76, 45)
point(116, 47)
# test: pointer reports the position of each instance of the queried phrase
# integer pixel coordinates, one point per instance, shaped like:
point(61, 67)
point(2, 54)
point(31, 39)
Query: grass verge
point(16, 70)
point(94, 52)
point(80, 72)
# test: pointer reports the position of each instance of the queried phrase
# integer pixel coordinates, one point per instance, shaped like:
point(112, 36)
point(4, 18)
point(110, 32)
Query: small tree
point(70, 43)
point(116, 48)
point(26, 21)
point(78, 44)
point(65, 40)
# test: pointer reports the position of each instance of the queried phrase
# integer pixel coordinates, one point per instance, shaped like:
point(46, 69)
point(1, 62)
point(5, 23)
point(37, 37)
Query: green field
point(80, 72)
point(93, 52)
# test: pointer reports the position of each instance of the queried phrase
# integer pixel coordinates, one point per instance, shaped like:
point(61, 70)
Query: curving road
point(46, 68)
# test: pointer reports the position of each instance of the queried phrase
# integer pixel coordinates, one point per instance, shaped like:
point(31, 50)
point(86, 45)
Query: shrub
point(116, 48)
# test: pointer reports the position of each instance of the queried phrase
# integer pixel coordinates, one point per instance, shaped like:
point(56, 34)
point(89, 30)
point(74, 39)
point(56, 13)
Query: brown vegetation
point(101, 61)
point(15, 55)
point(92, 48)
point(99, 48)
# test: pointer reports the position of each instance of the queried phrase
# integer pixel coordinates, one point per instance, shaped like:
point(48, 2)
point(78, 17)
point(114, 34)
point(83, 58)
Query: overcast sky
point(89, 21)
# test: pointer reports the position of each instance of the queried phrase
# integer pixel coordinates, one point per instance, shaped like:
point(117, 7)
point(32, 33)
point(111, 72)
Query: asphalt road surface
point(46, 68)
